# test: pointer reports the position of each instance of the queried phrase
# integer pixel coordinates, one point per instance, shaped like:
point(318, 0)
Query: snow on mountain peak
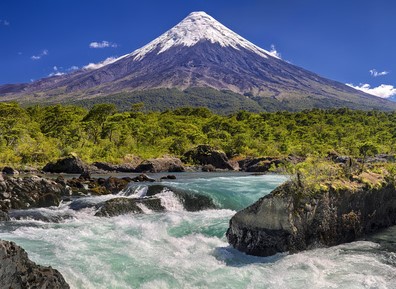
point(198, 26)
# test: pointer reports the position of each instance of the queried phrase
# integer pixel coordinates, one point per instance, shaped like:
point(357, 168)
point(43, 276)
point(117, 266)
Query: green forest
point(38, 134)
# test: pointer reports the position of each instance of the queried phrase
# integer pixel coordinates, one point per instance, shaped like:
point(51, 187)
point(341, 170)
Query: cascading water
point(181, 249)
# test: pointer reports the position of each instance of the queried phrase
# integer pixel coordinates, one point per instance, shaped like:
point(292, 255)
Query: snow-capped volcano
point(196, 27)
point(198, 62)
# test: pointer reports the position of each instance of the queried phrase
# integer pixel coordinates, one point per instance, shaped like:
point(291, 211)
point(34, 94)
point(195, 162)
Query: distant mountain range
point(199, 62)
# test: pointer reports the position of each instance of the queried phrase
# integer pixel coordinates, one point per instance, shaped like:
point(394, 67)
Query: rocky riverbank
point(293, 218)
point(18, 272)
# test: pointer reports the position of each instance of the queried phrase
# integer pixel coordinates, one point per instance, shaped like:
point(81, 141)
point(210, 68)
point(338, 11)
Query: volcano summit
point(198, 62)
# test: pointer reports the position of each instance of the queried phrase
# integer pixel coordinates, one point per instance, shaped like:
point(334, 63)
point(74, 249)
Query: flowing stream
point(180, 249)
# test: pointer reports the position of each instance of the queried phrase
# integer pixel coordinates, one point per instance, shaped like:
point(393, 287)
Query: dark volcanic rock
point(152, 201)
point(208, 168)
point(9, 171)
point(206, 155)
point(4, 216)
point(123, 168)
point(34, 191)
point(68, 165)
point(286, 221)
point(259, 165)
point(142, 178)
point(121, 206)
point(166, 164)
point(39, 215)
point(168, 177)
point(18, 272)
point(100, 186)
point(86, 175)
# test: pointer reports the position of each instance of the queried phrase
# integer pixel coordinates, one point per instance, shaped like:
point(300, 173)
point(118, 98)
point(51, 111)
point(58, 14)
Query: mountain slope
point(199, 52)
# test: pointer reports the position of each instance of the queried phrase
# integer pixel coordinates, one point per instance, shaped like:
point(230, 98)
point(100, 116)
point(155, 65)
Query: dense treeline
point(38, 134)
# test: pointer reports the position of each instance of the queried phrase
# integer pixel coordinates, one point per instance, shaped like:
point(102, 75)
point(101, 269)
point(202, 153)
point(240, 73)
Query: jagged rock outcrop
point(262, 164)
point(206, 155)
point(84, 185)
point(33, 191)
point(18, 272)
point(288, 219)
point(166, 164)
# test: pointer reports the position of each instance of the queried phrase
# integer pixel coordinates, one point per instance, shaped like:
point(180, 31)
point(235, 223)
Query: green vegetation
point(316, 175)
point(38, 134)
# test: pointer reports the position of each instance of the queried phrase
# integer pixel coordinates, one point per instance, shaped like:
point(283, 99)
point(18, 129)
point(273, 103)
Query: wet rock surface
point(121, 206)
point(151, 200)
point(286, 221)
point(18, 272)
point(33, 191)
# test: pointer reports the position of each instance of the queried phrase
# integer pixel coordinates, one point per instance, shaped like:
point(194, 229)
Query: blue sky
point(348, 41)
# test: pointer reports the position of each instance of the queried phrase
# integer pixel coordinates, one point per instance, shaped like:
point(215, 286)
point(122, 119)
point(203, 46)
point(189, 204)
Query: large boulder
point(122, 168)
point(68, 165)
point(18, 272)
point(121, 206)
point(9, 171)
point(33, 191)
point(206, 155)
point(166, 164)
point(290, 219)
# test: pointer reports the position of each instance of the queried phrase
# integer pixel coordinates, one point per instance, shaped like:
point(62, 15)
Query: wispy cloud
point(274, 52)
point(383, 90)
point(376, 73)
point(107, 61)
point(102, 44)
point(4, 22)
point(58, 71)
point(39, 56)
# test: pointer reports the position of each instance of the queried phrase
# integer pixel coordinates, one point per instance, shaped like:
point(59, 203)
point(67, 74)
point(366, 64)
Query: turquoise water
point(179, 249)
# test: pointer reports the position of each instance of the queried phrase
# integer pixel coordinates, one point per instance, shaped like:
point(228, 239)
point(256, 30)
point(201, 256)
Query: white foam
point(169, 201)
point(179, 249)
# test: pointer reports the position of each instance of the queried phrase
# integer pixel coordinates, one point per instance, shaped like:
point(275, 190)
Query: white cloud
point(107, 61)
point(274, 52)
point(39, 56)
point(384, 90)
point(58, 71)
point(102, 44)
point(376, 73)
